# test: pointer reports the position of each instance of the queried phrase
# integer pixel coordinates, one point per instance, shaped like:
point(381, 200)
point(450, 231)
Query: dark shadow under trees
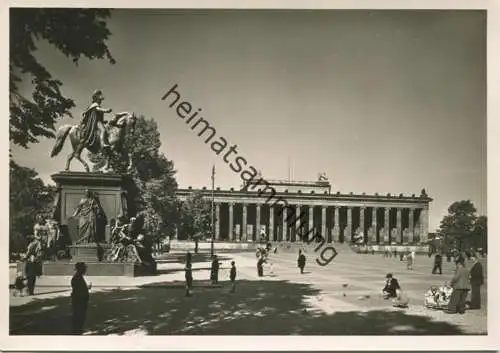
point(257, 308)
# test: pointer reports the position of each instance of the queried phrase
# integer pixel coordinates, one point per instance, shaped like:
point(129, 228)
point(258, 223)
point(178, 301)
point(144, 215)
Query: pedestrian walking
point(409, 261)
point(214, 270)
point(260, 267)
point(476, 281)
point(188, 274)
point(232, 277)
point(460, 285)
point(79, 298)
point(438, 262)
point(301, 261)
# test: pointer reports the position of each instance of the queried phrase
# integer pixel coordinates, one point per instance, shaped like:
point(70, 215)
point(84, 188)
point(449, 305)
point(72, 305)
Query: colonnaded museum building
point(242, 215)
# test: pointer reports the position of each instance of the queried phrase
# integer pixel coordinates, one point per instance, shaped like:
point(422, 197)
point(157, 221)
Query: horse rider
point(93, 118)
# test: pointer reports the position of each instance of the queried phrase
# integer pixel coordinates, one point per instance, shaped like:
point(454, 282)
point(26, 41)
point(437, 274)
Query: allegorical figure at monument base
point(91, 219)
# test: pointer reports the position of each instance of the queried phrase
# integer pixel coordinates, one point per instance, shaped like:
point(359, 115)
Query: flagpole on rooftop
point(212, 213)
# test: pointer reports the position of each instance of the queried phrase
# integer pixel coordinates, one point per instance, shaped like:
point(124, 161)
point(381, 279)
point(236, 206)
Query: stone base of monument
point(90, 254)
point(60, 268)
point(87, 252)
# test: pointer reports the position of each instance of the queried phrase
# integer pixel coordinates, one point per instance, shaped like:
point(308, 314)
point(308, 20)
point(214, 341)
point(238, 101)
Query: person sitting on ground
point(438, 298)
point(391, 285)
point(430, 298)
point(444, 295)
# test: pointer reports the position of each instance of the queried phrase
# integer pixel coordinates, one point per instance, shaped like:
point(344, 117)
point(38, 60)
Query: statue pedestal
point(115, 194)
point(87, 252)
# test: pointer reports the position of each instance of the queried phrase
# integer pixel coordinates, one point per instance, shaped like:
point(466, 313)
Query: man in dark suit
point(438, 262)
point(301, 261)
point(476, 281)
point(79, 297)
point(460, 285)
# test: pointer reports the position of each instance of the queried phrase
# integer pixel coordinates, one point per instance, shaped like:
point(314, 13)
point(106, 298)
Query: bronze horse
point(116, 133)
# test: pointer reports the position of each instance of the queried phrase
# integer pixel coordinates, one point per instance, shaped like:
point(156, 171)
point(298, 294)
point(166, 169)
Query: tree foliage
point(461, 226)
point(154, 177)
point(29, 197)
point(76, 33)
point(195, 217)
point(481, 232)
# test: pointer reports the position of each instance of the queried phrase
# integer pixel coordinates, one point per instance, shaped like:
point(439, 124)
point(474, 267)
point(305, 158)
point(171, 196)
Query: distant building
point(268, 206)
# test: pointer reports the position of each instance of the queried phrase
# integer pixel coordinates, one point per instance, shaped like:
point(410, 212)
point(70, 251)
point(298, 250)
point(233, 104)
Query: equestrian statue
point(97, 135)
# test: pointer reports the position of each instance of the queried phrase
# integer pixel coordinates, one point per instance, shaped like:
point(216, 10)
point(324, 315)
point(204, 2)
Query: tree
point(73, 32)
point(29, 197)
point(458, 226)
point(195, 218)
point(481, 233)
point(153, 175)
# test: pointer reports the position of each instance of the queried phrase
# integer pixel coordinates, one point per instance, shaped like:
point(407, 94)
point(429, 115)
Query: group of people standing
point(214, 273)
point(464, 281)
point(42, 244)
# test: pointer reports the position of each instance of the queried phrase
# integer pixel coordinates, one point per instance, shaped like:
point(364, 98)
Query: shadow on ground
point(257, 308)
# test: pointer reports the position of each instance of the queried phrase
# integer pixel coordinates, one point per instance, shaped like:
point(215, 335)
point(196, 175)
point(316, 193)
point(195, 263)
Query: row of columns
point(423, 221)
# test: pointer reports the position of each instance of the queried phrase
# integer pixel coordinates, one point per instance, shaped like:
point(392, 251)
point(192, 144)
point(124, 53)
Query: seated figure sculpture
point(129, 244)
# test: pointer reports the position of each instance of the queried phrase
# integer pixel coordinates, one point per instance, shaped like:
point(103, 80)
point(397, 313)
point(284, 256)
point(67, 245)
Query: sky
point(381, 101)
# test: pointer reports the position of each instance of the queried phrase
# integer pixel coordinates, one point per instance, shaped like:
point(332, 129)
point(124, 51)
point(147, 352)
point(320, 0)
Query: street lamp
point(212, 213)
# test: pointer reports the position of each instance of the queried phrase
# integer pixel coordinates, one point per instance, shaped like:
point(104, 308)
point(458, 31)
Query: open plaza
point(343, 298)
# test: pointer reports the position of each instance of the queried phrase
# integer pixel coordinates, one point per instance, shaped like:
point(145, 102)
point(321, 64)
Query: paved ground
point(324, 300)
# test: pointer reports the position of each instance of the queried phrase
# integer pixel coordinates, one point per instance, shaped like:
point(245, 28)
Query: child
point(438, 298)
point(232, 277)
point(19, 284)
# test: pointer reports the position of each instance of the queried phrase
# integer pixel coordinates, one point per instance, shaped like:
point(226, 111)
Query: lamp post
point(212, 213)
